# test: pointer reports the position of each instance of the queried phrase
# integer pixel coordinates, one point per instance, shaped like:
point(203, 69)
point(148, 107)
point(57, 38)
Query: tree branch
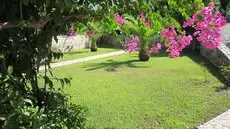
point(29, 24)
point(41, 23)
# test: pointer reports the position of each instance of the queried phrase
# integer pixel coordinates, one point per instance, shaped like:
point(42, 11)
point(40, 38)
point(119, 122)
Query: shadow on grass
point(112, 65)
point(203, 62)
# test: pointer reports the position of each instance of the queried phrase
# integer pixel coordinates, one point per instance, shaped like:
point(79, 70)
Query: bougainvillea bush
point(175, 43)
point(138, 32)
point(207, 23)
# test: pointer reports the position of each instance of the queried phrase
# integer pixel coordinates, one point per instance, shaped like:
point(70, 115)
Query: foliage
point(139, 32)
point(27, 28)
point(136, 32)
point(138, 27)
point(225, 6)
point(96, 28)
point(19, 109)
point(95, 31)
point(145, 27)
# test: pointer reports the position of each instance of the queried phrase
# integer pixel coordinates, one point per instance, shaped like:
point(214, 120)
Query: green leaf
point(10, 70)
point(26, 113)
point(2, 118)
point(28, 101)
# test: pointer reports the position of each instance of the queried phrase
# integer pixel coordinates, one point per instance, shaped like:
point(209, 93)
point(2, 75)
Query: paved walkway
point(79, 60)
point(220, 122)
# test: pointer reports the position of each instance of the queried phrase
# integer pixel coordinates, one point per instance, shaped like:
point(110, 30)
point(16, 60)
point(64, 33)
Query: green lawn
point(85, 53)
point(123, 93)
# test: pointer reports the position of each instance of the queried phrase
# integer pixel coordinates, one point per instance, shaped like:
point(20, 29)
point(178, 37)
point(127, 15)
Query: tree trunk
point(144, 54)
point(93, 46)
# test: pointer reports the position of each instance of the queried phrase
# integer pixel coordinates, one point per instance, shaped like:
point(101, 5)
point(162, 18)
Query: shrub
point(49, 109)
point(20, 109)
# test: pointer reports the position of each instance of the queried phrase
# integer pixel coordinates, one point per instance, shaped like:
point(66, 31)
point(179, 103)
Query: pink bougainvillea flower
point(144, 20)
point(220, 20)
point(184, 41)
point(169, 33)
point(174, 53)
point(206, 11)
point(191, 21)
point(132, 44)
point(148, 23)
point(207, 26)
point(90, 33)
point(142, 16)
point(176, 43)
point(211, 5)
point(197, 6)
point(155, 48)
point(119, 19)
point(71, 32)
point(158, 45)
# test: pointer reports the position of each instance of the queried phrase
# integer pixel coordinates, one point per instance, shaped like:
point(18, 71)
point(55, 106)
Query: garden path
point(220, 122)
point(80, 60)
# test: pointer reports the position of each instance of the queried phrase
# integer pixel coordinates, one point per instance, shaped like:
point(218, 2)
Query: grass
point(123, 93)
point(85, 53)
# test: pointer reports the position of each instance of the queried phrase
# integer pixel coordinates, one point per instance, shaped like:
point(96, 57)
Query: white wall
point(71, 43)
